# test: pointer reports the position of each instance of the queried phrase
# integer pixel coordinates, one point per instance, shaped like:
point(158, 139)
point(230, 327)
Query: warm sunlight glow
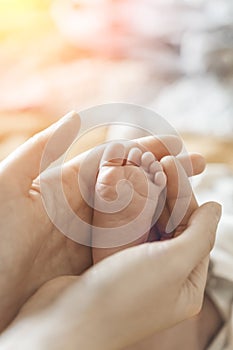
point(18, 15)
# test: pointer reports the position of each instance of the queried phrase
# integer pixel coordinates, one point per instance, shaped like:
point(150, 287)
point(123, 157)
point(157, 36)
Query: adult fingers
point(180, 200)
point(87, 164)
point(159, 146)
point(40, 151)
point(193, 289)
point(198, 239)
point(193, 163)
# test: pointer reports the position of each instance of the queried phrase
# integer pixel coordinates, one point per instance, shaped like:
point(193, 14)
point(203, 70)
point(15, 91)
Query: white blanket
point(217, 184)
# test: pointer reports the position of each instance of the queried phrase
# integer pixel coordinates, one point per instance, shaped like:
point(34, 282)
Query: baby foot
point(126, 196)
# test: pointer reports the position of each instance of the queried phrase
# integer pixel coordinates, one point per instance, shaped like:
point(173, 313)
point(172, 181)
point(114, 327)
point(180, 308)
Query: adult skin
point(26, 241)
point(103, 308)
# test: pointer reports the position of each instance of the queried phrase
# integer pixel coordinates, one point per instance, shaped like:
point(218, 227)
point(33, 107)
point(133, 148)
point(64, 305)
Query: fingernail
point(64, 119)
point(68, 116)
point(71, 116)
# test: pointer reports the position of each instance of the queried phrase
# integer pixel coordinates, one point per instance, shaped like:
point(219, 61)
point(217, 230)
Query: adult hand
point(124, 298)
point(32, 249)
point(46, 295)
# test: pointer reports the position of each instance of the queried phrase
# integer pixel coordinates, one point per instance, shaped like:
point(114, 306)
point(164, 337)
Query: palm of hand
point(43, 252)
point(39, 253)
point(32, 249)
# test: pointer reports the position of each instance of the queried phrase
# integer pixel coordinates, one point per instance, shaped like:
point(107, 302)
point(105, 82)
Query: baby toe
point(160, 179)
point(155, 167)
point(134, 157)
point(147, 159)
point(114, 154)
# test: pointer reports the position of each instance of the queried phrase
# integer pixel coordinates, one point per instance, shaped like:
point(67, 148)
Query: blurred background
point(174, 56)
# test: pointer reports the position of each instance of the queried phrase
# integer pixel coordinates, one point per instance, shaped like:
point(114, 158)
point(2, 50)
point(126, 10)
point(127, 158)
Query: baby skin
point(127, 190)
point(119, 174)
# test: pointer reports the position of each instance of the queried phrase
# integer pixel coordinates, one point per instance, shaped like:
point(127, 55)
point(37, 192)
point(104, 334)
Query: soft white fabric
point(217, 184)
